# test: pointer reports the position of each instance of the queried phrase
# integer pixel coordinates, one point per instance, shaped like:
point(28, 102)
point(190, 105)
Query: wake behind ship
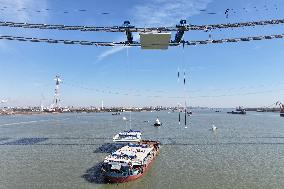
point(129, 162)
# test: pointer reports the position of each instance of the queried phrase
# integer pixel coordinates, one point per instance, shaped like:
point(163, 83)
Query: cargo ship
point(239, 110)
point(129, 162)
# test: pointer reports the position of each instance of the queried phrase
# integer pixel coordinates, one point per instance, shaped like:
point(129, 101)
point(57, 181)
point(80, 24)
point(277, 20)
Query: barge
point(129, 162)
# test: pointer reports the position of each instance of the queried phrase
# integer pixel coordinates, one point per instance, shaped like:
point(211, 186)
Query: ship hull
point(111, 179)
point(282, 114)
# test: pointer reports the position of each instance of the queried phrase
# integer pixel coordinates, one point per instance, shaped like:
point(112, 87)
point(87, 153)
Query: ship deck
point(130, 153)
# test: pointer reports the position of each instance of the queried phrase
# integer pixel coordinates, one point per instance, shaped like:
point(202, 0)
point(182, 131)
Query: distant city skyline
point(227, 75)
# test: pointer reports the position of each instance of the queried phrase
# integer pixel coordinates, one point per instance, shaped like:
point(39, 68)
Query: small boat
point(128, 136)
point(129, 162)
point(214, 128)
point(189, 113)
point(157, 123)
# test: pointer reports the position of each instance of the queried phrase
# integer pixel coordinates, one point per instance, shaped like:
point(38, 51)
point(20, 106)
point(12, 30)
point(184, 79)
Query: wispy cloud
point(167, 12)
point(109, 52)
point(160, 13)
point(115, 49)
point(21, 11)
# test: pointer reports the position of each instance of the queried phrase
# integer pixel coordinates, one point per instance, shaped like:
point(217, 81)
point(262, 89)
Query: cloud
point(160, 13)
point(24, 10)
point(109, 52)
point(115, 49)
point(167, 12)
point(21, 11)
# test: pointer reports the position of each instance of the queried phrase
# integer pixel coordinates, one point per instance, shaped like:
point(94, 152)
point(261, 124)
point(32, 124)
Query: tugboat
point(157, 123)
point(129, 162)
point(128, 136)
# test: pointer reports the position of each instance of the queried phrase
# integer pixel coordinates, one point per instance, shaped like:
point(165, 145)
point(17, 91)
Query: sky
point(248, 74)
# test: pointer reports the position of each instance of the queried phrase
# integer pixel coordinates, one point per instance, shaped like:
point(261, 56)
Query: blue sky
point(224, 75)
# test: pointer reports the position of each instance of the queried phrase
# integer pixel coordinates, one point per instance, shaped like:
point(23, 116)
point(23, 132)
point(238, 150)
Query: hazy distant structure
point(102, 104)
point(56, 99)
point(3, 101)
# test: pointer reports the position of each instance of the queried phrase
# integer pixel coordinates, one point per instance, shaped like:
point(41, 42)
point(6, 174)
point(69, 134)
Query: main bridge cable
point(128, 28)
point(137, 44)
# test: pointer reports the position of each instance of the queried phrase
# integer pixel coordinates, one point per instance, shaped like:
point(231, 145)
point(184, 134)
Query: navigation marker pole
point(178, 115)
point(178, 74)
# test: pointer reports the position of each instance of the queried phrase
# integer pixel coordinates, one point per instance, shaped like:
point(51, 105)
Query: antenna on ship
point(56, 99)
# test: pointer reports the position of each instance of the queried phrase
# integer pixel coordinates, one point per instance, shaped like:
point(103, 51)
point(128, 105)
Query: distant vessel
point(238, 110)
point(129, 162)
point(281, 105)
point(117, 113)
point(128, 136)
point(214, 128)
point(189, 113)
point(260, 110)
point(282, 111)
point(157, 123)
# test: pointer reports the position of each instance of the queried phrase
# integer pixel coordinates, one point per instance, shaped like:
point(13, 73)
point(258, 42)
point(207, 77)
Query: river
point(65, 150)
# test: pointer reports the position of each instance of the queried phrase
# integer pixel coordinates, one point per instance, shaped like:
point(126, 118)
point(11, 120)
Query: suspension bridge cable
point(137, 29)
point(137, 44)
